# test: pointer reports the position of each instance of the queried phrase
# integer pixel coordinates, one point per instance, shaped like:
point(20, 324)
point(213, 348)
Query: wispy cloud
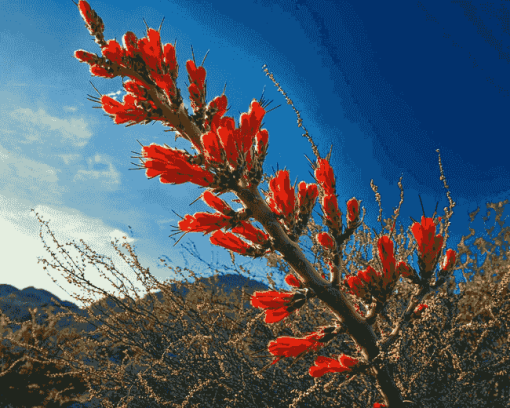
point(75, 131)
point(109, 178)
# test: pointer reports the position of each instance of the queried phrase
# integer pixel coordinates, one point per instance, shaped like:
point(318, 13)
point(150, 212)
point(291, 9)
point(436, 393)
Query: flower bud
point(352, 211)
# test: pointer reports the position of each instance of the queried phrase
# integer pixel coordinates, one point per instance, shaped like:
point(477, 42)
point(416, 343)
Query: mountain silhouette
point(15, 303)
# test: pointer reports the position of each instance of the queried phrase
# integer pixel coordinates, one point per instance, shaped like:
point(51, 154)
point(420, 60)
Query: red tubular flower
point(170, 59)
point(250, 123)
point(419, 310)
point(276, 304)
point(293, 347)
point(429, 245)
point(325, 240)
point(196, 89)
point(325, 176)
point(332, 213)
point(420, 307)
point(229, 241)
point(203, 222)
point(212, 147)
point(261, 138)
point(219, 103)
point(195, 97)
point(282, 196)
point(248, 231)
point(92, 21)
point(357, 286)
point(291, 280)
point(166, 83)
point(235, 141)
point(85, 11)
point(385, 246)
point(173, 167)
point(217, 203)
point(449, 260)
point(369, 276)
point(85, 56)
point(307, 194)
point(196, 75)
point(137, 88)
point(113, 51)
point(101, 72)
point(352, 210)
point(151, 50)
point(378, 405)
point(249, 128)
point(325, 365)
point(227, 134)
point(130, 43)
point(123, 112)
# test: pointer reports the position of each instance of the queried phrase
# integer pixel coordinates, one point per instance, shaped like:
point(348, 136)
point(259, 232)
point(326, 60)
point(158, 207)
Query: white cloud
point(114, 95)
point(27, 179)
point(69, 158)
point(22, 247)
point(72, 130)
point(108, 179)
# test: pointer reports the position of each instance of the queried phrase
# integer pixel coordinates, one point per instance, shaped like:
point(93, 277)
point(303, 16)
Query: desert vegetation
point(455, 355)
point(199, 345)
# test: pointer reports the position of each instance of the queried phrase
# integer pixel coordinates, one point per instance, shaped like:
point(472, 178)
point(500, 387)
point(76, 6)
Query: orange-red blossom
point(370, 281)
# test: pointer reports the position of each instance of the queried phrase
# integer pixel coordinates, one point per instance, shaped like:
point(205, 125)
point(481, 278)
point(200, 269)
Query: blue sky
point(385, 84)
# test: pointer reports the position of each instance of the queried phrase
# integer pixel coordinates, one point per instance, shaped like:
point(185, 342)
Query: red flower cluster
point(307, 194)
point(280, 305)
point(224, 218)
point(292, 213)
point(92, 21)
point(370, 283)
point(153, 66)
point(325, 365)
point(429, 246)
point(293, 347)
point(226, 143)
point(173, 166)
point(325, 240)
point(160, 69)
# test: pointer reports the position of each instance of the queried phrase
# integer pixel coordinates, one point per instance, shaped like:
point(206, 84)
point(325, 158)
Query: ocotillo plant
point(230, 159)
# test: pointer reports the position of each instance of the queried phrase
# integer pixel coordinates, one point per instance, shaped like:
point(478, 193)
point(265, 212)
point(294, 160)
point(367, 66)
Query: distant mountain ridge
point(15, 303)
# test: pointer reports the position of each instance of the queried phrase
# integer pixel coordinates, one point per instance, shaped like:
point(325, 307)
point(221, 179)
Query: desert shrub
point(208, 349)
point(27, 381)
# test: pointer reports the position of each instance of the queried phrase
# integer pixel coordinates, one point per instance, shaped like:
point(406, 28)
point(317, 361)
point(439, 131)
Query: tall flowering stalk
point(229, 157)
